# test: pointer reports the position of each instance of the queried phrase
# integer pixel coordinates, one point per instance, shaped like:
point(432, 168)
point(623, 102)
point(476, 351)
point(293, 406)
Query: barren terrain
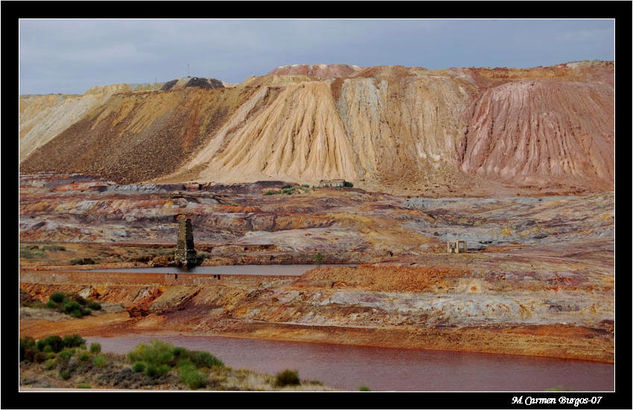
point(519, 163)
point(404, 130)
point(538, 278)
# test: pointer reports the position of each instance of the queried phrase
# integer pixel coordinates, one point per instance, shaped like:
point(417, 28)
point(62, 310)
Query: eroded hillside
point(411, 130)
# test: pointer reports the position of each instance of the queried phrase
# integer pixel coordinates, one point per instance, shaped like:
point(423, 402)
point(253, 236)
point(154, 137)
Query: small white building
point(332, 183)
point(457, 246)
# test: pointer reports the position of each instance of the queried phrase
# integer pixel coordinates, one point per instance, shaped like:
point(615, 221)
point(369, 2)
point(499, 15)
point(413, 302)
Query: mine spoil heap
point(185, 253)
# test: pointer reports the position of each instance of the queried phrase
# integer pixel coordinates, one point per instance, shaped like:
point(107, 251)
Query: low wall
point(120, 278)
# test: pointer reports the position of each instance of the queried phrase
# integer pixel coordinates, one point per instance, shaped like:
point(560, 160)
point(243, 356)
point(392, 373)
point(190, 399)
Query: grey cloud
point(72, 55)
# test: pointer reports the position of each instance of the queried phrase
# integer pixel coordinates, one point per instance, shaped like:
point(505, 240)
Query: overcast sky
point(70, 56)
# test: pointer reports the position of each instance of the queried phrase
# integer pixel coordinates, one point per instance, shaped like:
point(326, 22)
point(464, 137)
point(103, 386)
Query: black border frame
point(621, 11)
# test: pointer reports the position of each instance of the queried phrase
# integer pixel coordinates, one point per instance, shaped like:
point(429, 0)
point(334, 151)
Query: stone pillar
point(185, 253)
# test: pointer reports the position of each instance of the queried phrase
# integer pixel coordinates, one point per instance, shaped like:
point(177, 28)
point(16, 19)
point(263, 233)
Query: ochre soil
point(538, 277)
point(202, 305)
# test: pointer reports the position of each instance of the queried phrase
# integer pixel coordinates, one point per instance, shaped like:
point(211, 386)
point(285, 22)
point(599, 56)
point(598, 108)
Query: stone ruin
point(186, 255)
point(457, 246)
point(332, 183)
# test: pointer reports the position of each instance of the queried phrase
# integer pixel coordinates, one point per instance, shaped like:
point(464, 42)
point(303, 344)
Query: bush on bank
point(287, 378)
point(158, 358)
point(73, 305)
point(69, 357)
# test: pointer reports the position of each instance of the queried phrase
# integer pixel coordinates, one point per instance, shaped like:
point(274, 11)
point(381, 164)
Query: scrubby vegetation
point(76, 254)
point(287, 378)
point(290, 189)
point(100, 361)
point(30, 349)
point(95, 347)
point(73, 305)
point(190, 375)
point(53, 248)
point(67, 362)
point(82, 261)
point(318, 258)
point(31, 251)
point(158, 358)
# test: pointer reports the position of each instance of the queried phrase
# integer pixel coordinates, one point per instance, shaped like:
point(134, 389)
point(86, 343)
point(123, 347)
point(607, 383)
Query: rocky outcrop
point(196, 82)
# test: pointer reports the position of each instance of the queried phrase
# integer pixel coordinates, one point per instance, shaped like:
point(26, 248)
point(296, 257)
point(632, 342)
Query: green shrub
point(153, 370)
point(50, 364)
point(73, 340)
point(94, 305)
point(51, 304)
point(100, 361)
point(40, 357)
point(47, 349)
point(348, 184)
point(179, 352)
point(57, 297)
point(155, 353)
point(271, 192)
point(138, 367)
point(203, 359)
point(76, 313)
point(53, 248)
point(364, 388)
point(26, 343)
point(31, 252)
point(82, 261)
point(65, 355)
point(83, 357)
point(64, 374)
point(95, 347)
point(83, 386)
point(69, 307)
point(55, 342)
point(318, 258)
point(29, 354)
point(79, 299)
point(190, 376)
point(157, 358)
point(287, 378)
point(287, 186)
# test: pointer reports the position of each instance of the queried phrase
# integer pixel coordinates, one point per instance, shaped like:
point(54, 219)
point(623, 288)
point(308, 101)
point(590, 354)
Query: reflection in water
point(349, 367)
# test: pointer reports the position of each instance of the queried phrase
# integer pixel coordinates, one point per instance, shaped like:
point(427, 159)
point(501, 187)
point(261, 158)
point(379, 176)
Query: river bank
point(417, 308)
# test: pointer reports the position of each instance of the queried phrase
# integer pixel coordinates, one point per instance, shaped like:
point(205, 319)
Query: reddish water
point(349, 367)
point(268, 270)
